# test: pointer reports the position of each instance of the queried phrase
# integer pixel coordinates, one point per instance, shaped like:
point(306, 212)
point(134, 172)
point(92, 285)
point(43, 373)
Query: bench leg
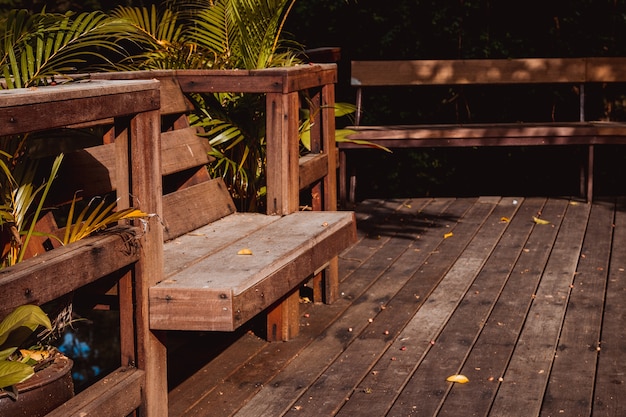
point(283, 319)
point(343, 179)
point(326, 283)
point(586, 174)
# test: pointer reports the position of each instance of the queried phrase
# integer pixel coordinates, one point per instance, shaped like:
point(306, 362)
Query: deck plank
point(611, 370)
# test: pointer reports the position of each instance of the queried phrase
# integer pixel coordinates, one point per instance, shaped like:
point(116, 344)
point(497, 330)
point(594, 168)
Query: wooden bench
point(208, 284)
point(577, 72)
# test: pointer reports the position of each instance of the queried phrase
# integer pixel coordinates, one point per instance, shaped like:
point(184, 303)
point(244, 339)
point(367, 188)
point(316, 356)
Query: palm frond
point(93, 219)
point(46, 45)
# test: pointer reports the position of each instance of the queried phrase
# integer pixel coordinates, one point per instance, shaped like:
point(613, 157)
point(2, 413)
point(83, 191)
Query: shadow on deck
point(531, 313)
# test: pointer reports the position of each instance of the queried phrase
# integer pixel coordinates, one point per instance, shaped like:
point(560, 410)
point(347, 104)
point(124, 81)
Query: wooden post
point(282, 153)
point(146, 188)
point(283, 190)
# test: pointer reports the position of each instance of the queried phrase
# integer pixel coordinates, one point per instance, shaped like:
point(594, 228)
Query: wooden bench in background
point(576, 72)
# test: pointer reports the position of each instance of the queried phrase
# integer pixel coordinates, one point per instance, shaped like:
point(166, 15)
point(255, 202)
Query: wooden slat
point(195, 206)
point(611, 371)
point(190, 248)
point(313, 167)
point(74, 103)
point(225, 290)
point(471, 71)
point(117, 394)
point(173, 100)
point(585, 133)
point(606, 69)
point(269, 80)
point(183, 149)
point(36, 280)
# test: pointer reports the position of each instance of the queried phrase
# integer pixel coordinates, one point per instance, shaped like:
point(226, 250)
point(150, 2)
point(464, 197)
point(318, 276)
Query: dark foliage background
point(431, 29)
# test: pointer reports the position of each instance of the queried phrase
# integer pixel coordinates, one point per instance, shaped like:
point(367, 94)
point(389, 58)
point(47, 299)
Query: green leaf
point(23, 317)
point(12, 373)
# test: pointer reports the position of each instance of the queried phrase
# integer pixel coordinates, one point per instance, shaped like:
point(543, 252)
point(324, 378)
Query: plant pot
point(41, 393)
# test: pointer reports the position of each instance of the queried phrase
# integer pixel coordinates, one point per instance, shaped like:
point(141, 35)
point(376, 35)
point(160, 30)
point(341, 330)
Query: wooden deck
point(533, 314)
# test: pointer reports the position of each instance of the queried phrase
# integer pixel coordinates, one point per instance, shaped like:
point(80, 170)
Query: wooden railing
point(130, 109)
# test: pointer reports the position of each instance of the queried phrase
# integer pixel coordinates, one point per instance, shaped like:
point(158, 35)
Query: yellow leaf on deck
point(504, 219)
point(540, 221)
point(245, 251)
point(461, 379)
point(447, 235)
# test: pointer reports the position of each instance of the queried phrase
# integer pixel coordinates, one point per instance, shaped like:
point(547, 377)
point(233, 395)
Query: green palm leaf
point(45, 45)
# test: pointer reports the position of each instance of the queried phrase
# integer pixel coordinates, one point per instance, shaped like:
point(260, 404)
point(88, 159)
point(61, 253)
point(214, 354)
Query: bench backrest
point(190, 197)
point(487, 71)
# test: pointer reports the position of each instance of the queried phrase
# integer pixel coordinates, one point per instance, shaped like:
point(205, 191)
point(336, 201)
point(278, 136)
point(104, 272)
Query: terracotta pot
point(41, 393)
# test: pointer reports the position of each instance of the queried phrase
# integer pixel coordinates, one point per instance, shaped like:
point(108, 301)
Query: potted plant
point(35, 377)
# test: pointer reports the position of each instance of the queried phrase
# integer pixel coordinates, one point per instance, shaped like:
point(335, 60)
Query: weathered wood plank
point(194, 207)
point(525, 379)
point(74, 103)
point(117, 394)
point(192, 248)
point(269, 80)
point(194, 390)
point(468, 71)
point(611, 368)
point(282, 188)
point(226, 289)
point(572, 379)
point(313, 167)
point(183, 149)
point(514, 134)
point(36, 280)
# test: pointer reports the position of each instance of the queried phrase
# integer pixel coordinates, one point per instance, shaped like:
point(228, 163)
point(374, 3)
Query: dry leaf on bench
point(540, 221)
point(245, 251)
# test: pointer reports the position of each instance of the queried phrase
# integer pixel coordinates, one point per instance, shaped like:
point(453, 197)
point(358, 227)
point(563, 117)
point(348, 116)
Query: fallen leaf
point(447, 235)
point(504, 219)
point(461, 379)
point(244, 251)
point(540, 221)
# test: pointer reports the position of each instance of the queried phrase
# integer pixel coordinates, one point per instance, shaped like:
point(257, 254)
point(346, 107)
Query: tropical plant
point(22, 198)
point(222, 34)
point(17, 365)
point(38, 47)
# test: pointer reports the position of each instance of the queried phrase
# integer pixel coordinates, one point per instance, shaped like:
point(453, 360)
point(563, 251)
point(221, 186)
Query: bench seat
point(209, 286)
point(501, 134)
